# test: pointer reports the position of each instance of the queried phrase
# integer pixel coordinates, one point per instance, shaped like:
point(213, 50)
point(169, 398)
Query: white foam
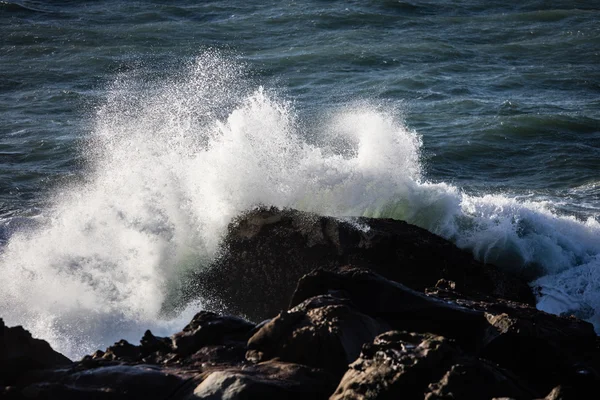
point(172, 162)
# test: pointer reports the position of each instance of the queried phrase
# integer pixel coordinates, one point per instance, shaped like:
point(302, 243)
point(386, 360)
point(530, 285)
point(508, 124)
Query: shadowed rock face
point(268, 380)
point(267, 250)
point(20, 352)
point(348, 333)
point(408, 365)
point(540, 348)
point(323, 332)
point(401, 307)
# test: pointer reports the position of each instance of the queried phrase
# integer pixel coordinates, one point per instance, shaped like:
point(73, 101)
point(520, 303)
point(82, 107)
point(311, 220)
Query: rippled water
point(132, 132)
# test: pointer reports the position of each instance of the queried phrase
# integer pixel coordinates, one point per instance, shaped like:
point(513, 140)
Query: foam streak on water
point(172, 162)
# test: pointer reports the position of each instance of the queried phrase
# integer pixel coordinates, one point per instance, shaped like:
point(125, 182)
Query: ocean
point(131, 133)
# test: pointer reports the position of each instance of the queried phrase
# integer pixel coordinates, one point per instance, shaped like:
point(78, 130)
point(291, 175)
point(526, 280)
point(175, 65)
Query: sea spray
point(172, 161)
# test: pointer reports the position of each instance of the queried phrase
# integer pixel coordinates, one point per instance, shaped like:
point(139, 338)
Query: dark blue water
point(132, 132)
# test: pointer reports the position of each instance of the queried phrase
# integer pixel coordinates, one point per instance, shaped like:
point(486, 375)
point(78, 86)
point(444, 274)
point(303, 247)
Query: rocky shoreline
point(305, 306)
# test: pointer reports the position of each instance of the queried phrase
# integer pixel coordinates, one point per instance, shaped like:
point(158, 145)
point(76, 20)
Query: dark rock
point(543, 348)
point(400, 307)
point(215, 338)
point(322, 332)
point(123, 351)
point(395, 365)
point(97, 355)
point(155, 349)
point(150, 344)
point(465, 338)
point(478, 379)
point(543, 353)
point(207, 328)
point(218, 354)
point(266, 251)
point(111, 382)
point(269, 380)
point(20, 352)
point(404, 365)
point(570, 393)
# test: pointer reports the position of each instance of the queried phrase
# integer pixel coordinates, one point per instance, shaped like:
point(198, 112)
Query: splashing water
point(172, 162)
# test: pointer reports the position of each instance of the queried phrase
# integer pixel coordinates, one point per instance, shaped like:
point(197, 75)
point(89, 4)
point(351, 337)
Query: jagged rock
point(98, 354)
point(208, 328)
point(403, 365)
point(544, 353)
point(543, 348)
point(214, 337)
point(401, 307)
point(478, 379)
point(395, 365)
point(267, 250)
point(218, 354)
point(152, 350)
point(20, 352)
point(269, 380)
point(322, 332)
point(465, 338)
point(151, 344)
point(122, 351)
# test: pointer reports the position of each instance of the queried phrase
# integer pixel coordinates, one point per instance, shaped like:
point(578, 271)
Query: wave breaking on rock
point(374, 309)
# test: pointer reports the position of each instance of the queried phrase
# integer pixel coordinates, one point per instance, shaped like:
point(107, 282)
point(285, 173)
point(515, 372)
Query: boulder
point(322, 332)
point(543, 348)
point(208, 337)
point(399, 306)
point(20, 353)
point(208, 328)
point(266, 251)
point(115, 382)
point(269, 380)
point(416, 366)
point(391, 312)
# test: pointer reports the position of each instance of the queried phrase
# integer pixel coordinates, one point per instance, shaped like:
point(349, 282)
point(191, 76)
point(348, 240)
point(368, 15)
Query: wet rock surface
point(266, 251)
point(355, 331)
